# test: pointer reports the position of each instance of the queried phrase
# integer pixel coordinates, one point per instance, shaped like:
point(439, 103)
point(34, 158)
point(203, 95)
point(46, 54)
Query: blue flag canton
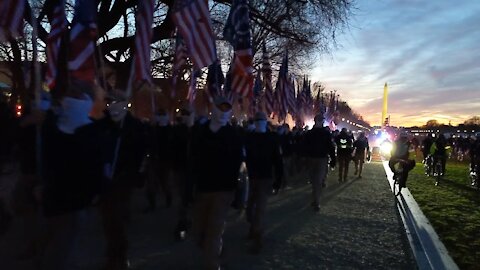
point(215, 78)
point(237, 27)
point(257, 88)
point(85, 12)
point(180, 4)
point(284, 68)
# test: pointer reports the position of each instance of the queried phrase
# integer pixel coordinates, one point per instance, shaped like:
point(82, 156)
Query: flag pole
point(119, 140)
point(36, 89)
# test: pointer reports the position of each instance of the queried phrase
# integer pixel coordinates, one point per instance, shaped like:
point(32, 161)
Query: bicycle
point(438, 170)
point(474, 177)
point(428, 165)
point(399, 178)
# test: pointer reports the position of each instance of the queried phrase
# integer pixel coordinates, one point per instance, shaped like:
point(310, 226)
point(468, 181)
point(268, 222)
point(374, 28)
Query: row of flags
point(195, 41)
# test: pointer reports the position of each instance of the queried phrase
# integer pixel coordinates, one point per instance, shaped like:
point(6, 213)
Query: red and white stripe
point(242, 79)
point(11, 18)
point(58, 25)
point(192, 88)
point(143, 37)
point(81, 55)
point(192, 18)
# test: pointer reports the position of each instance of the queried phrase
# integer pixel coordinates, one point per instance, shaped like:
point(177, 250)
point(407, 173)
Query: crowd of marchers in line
point(202, 166)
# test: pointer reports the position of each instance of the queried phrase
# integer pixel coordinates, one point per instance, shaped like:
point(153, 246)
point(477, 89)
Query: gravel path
point(357, 228)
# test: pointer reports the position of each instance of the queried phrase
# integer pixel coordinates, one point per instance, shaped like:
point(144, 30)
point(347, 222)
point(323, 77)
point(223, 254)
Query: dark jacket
point(263, 155)
point(216, 158)
point(181, 137)
point(133, 145)
point(344, 144)
point(361, 145)
point(317, 143)
point(72, 167)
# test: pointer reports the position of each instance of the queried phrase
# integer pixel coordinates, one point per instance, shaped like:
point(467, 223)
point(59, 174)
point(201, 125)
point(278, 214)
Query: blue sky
point(428, 51)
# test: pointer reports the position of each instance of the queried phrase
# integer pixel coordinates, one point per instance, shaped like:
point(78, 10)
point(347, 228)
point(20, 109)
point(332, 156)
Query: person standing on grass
point(475, 155)
point(317, 147)
point(361, 149)
point(262, 159)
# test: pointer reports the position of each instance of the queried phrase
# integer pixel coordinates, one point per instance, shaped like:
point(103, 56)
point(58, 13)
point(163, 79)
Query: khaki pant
point(260, 189)
point(318, 174)
point(210, 214)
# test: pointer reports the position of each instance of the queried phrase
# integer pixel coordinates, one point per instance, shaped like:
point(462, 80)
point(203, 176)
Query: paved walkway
point(358, 227)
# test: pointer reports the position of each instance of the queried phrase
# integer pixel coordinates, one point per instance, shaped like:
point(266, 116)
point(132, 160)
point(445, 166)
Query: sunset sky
point(427, 51)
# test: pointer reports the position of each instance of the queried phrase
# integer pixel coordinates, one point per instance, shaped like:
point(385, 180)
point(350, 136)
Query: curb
point(427, 248)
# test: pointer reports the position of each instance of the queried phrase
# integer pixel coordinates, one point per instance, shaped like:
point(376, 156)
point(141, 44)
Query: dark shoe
point(117, 265)
point(257, 244)
point(149, 209)
point(355, 173)
point(316, 208)
point(359, 177)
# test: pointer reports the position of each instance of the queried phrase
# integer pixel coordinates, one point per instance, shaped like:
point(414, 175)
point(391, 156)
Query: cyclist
point(475, 154)
point(400, 154)
point(438, 150)
point(427, 158)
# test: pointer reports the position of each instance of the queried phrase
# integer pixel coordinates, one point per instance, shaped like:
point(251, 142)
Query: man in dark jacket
point(263, 157)
point(318, 147)
point(160, 160)
point(344, 144)
point(475, 159)
point(126, 142)
point(361, 149)
point(72, 171)
point(181, 168)
point(217, 152)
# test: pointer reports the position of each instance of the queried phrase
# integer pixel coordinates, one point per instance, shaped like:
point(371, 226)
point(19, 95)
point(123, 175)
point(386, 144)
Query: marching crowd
point(200, 164)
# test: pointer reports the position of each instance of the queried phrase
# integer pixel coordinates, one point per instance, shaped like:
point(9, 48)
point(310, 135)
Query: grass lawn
point(453, 209)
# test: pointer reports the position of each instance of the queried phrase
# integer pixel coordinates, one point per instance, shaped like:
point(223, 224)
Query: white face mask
point(261, 126)
point(74, 114)
point(162, 120)
point(220, 117)
point(118, 110)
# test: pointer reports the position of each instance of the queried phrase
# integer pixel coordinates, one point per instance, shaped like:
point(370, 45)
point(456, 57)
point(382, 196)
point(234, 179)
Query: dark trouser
point(183, 191)
point(359, 160)
point(318, 174)
point(260, 189)
point(343, 162)
point(443, 160)
point(158, 177)
point(60, 238)
point(115, 212)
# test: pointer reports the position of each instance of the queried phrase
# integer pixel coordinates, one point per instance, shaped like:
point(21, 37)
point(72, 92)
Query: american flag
point(267, 82)
point(192, 18)
point(215, 80)
point(11, 19)
point(179, 62)
point(83, 34)
point(237, 32)
point(257, 92)
point(58, 25)
point(285, 92)
point(143, 36)
point(192, 88)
